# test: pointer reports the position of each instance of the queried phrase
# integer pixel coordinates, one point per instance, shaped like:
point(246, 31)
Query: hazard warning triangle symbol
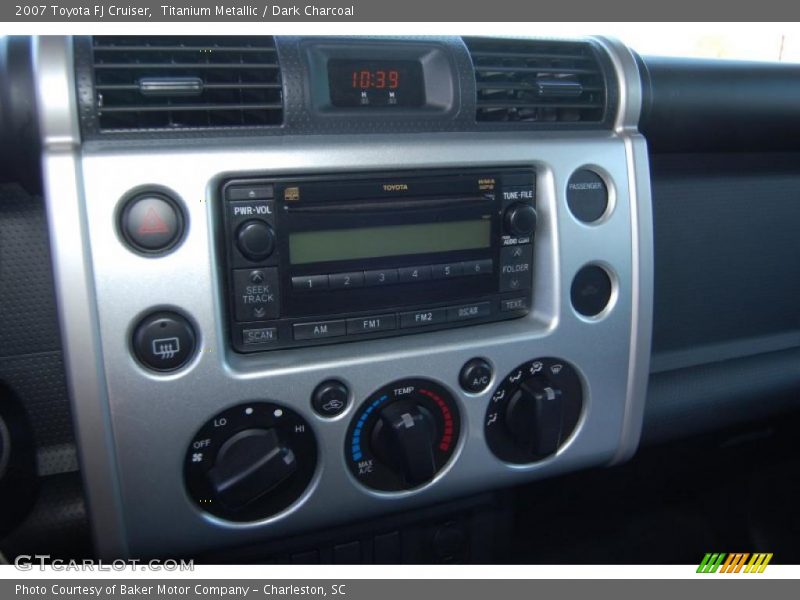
point(152, 223)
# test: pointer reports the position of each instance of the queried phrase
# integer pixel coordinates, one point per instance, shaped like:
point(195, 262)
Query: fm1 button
point(164, 341)
point(591, 290)
point(475, 376)
point(330, 398)
point(151, 222)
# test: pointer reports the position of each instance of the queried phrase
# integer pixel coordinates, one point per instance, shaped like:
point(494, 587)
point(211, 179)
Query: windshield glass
point(740, 41)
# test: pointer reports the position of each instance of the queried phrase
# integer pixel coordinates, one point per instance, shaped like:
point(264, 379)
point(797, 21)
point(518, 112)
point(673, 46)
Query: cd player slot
point(382, 205)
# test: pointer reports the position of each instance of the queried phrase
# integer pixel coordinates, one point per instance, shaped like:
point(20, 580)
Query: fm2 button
point(475, 376)
point(330, 398)
point(151, 223)
point(164, 341)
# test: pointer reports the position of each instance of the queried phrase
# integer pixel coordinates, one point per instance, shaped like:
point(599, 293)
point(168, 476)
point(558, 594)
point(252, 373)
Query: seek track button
point(256, 294)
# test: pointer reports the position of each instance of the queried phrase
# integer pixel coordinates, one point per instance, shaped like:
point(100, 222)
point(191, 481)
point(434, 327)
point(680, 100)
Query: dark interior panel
point(711, 105)
point(727, 251)
point(41, 490)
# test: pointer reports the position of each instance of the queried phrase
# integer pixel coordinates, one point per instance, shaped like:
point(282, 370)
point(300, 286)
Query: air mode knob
point(255, 240)
point(534, 417)
point(534, 411)
point(520, 219)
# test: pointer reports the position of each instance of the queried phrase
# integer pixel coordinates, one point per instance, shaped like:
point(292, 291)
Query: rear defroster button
point(164, 341)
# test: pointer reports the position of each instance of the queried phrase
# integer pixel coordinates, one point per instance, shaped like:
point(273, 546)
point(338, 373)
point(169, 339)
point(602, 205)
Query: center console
point(276, 331)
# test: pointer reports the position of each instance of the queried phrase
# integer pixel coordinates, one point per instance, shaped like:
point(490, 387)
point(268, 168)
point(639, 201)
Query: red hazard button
point(152, 222)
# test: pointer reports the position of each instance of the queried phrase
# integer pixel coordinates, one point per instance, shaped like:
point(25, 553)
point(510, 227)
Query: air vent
point(537, 81)
point(184, 82)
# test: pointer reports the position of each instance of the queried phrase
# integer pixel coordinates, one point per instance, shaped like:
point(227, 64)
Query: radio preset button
point(477, 267)
point(469, 311)
point(412, 274)
point(380, 277)
point(319, 330)
point(446, 271)
point(310, 283)
point(343, 281)
point(256, 292)
point(423, 318)
point(371, 323)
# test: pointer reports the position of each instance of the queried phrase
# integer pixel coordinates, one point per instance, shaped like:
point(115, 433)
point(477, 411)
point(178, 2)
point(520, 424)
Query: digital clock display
point(376, 83)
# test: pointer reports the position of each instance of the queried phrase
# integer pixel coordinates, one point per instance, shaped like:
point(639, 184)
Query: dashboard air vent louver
point(182, 82)
point(537, 81)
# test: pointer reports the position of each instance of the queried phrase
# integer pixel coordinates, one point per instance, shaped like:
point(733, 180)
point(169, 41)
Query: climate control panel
point(256, 459)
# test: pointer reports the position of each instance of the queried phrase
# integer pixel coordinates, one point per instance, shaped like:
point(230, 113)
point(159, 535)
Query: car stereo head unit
point(324, 259)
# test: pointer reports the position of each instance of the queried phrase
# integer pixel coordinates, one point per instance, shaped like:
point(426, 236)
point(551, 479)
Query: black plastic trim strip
point(300, 117)
point(721, 394)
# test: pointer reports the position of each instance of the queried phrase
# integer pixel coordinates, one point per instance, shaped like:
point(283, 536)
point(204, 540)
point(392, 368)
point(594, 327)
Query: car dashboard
point(287, 284)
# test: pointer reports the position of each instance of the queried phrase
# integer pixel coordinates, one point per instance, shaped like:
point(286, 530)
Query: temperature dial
point(250, 461)
point(402, 435)
point(533, 411)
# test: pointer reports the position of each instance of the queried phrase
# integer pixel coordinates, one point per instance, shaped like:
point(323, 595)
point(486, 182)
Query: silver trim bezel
point(133, 425)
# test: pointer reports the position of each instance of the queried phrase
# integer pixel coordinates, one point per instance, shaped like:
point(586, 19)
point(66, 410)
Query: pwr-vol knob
point(534, 411)
point(255, 240)
point(250, 461)
point(402, 435)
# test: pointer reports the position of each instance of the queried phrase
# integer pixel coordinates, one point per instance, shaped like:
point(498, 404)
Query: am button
point(319, 330)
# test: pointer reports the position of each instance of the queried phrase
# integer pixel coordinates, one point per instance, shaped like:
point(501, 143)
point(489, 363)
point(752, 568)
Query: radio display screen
point(397, 240)
point(372, 83)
